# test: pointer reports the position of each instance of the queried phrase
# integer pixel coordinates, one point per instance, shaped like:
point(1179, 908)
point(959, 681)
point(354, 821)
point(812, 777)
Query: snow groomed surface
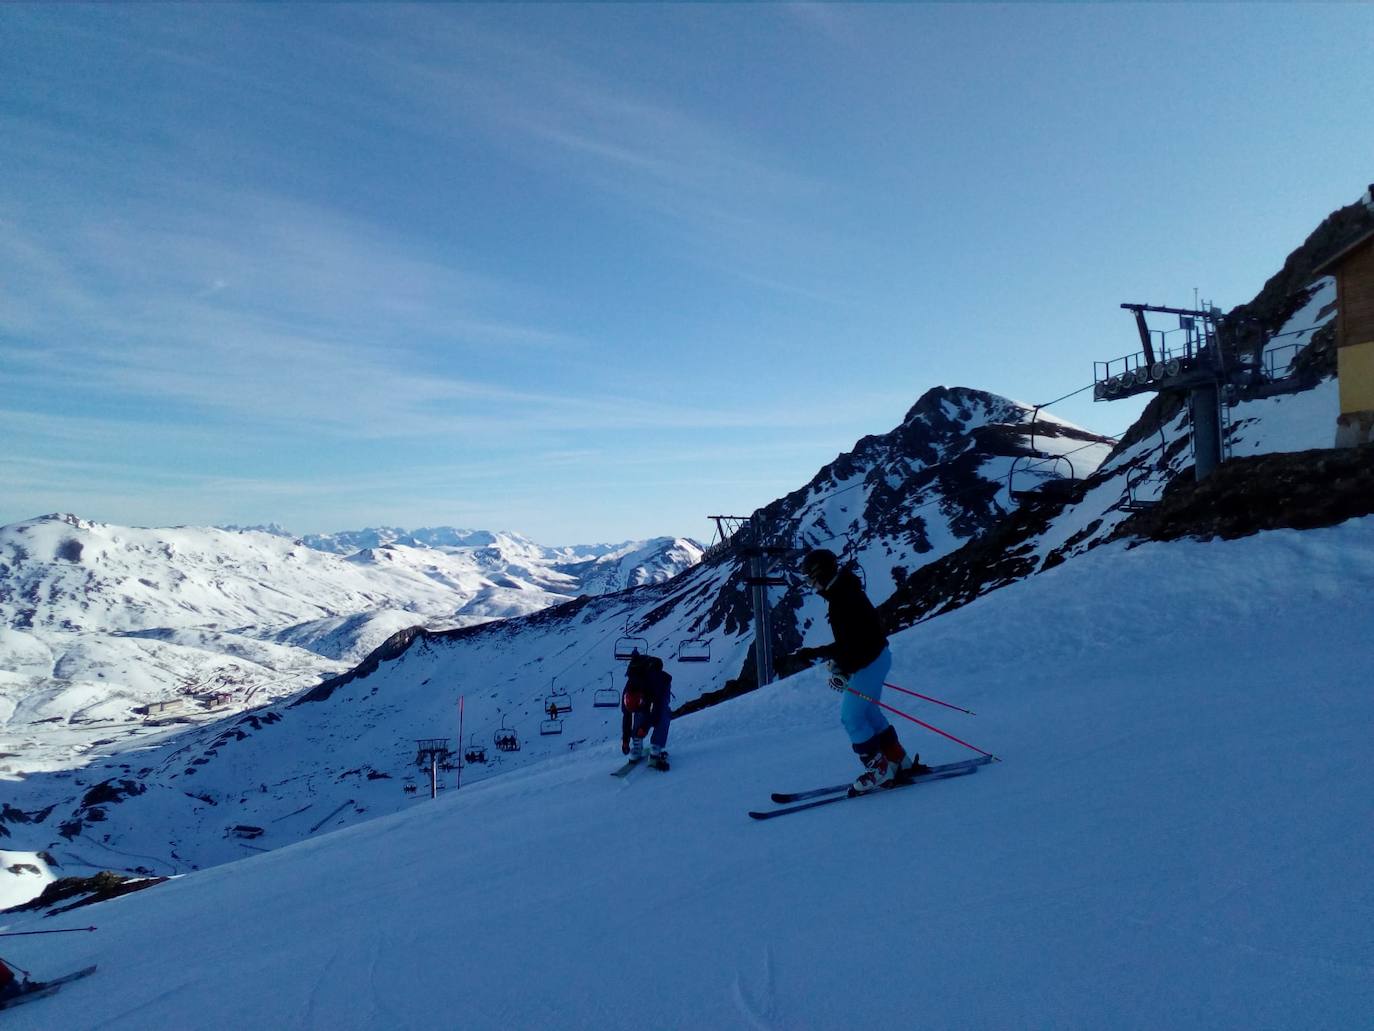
point(1179, 838)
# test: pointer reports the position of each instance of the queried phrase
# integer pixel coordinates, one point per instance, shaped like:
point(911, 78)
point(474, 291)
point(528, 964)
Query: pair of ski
point(796, 801)
point(630, 764)
point(44, 988)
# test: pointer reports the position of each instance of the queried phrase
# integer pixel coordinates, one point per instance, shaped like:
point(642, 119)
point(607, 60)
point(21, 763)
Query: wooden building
point(1353, 269)
point(159, 708)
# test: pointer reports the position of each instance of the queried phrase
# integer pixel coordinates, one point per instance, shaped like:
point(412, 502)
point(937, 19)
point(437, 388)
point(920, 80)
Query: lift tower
point(1198, 365)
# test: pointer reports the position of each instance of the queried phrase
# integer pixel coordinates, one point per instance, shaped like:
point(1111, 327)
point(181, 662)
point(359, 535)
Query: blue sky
point(597, 272)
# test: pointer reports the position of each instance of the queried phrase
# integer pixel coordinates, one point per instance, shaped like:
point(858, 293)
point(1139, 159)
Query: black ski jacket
point(648, 690)
point(859, 633)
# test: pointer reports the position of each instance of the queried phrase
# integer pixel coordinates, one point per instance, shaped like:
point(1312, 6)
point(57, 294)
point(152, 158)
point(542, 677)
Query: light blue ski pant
point(863, 720)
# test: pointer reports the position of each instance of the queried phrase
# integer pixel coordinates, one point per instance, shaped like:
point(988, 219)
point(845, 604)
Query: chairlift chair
point(607, 697)
point(549, 727)
point(694, 649)
point(1130, 502)
point(559, 702)
point(475, 754)
point(1048, 485)
point(627, 647)
point(505, 738)
point(1053, 478)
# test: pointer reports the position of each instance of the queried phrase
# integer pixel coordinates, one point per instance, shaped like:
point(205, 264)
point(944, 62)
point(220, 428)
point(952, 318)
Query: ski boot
point(906, 764)
point(658, 760)
point(878, 772)
point(911, 767)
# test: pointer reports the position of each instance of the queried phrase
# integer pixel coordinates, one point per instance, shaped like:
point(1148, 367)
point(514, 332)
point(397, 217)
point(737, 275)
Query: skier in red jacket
point(646, 709)
point(11, 986)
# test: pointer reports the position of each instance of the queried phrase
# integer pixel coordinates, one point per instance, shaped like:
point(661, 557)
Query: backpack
point(633, 699)
point(635, 696)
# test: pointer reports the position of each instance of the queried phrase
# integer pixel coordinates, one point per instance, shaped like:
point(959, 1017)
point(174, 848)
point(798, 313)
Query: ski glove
point(805, 655)
point(624, 746)
point(838, 681)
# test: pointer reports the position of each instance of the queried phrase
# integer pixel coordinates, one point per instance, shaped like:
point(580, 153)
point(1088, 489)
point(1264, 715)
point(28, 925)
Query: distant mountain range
point(98, 622)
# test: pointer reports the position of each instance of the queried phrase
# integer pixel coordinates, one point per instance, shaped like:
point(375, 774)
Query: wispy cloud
point(737, 203)
point(833, 21)
point(277, 313)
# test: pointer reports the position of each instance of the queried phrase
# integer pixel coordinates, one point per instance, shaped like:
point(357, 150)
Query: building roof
point(1328, 266)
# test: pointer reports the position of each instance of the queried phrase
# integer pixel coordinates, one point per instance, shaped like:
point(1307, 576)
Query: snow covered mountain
point(110, 632)
point(593, 568)
point(347, 746)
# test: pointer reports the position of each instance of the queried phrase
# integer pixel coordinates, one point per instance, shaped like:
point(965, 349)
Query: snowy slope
point(1178, 837)
point(99, 621)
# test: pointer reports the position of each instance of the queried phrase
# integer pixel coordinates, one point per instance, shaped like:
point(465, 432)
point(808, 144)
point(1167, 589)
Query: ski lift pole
point(64, 930)
point(927, 697)
point(913, 719)
point(458, 780)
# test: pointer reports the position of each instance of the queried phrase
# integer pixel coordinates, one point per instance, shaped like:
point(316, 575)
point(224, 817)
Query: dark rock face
point(1000, 557)
point(111, 792)
point(1288, 289)
point(1299, 490)
point(85, 890)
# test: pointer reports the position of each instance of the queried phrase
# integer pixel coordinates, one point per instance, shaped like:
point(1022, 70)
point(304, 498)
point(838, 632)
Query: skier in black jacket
point(646, 708)
point(860, 661)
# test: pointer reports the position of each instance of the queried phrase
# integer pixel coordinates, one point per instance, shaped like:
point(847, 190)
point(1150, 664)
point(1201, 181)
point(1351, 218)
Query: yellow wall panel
point(1355, 366)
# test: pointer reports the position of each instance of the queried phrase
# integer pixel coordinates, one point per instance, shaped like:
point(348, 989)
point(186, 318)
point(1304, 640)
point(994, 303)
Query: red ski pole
point(913, 719)
point(927, 697)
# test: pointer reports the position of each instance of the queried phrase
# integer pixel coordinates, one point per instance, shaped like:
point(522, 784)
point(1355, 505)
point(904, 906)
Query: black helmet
point(820, 564)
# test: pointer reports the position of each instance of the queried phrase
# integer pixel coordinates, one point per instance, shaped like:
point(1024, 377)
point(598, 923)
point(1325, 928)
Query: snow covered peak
point(964, 405)
point(635, 563)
